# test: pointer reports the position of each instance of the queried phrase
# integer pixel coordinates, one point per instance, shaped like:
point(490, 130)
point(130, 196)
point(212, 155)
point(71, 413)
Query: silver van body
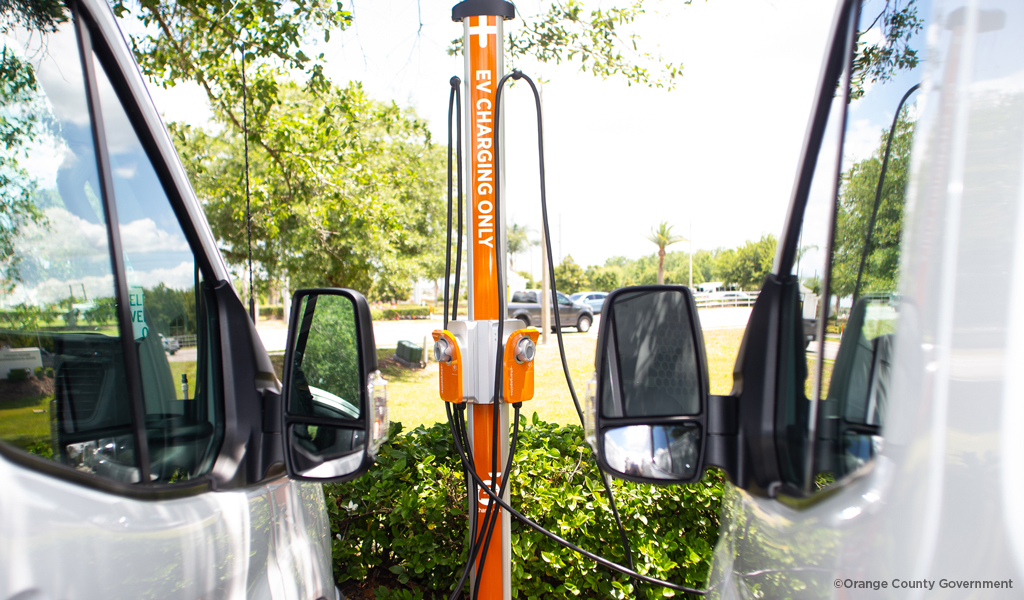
point(939, 511)
point(245, 529)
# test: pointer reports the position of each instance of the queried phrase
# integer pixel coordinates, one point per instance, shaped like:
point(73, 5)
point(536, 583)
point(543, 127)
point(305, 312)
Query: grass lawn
point(20, 425)
point(188, 368)
point(413, 395)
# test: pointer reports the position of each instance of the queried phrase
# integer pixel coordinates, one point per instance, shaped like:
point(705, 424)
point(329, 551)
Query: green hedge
point(272, 311)
point(401, 528)
point(392, 314)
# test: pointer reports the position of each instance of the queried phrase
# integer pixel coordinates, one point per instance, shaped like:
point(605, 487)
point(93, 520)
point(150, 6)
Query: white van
point(122, 474)
point(895, 468)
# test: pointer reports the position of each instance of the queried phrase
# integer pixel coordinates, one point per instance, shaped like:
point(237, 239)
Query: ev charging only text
point(484, 175)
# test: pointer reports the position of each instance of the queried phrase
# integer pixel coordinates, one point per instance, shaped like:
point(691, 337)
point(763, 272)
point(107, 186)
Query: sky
point(715, 157)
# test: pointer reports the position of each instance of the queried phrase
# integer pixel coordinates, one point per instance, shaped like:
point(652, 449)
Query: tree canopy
point(856, 204)
point(352, 198)
point(346, 190)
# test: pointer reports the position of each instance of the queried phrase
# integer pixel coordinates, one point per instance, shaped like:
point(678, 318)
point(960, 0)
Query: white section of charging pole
point(470, 197)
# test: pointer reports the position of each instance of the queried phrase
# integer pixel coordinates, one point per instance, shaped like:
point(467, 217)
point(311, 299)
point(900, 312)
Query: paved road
point(388, 333)
point(728, 317)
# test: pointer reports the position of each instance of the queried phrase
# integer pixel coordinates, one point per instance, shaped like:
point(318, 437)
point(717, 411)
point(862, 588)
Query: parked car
point(595, 300)
point(730, 299)
point(139, 488)
point(525, 306)
point(171, 345)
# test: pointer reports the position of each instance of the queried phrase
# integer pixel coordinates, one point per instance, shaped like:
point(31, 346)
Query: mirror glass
point(325, 360)
point(323, 451)
point(325, 387)
point(667, 452)
point(857, 400)
point(653, 362)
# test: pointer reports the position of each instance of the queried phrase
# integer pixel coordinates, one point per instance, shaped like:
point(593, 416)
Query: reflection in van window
point(61, 364)
point(863, 300)
point(171, 326)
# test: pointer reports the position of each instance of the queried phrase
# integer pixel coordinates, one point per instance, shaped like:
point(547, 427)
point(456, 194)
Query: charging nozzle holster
point(449, 359)
point(465, 355)
point(517, 370)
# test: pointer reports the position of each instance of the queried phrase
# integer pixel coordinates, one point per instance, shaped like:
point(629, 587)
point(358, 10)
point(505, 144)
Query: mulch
point(25, 389)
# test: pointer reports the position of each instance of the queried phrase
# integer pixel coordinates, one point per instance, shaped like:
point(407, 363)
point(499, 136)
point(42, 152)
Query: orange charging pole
point(482, 23)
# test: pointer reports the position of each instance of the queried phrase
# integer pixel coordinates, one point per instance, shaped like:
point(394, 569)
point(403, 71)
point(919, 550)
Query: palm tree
point(663, 237)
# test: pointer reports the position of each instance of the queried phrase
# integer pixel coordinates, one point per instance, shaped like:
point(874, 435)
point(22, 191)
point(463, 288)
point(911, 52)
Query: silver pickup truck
point(525, 306)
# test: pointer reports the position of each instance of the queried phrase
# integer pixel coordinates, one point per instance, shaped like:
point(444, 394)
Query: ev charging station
point(467, 352)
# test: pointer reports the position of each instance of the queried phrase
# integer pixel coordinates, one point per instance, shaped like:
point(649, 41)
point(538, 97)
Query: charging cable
point(456, 422)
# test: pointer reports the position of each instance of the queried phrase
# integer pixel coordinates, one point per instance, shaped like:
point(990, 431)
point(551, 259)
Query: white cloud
point(862, 138)
point(179, 277)
point(144, 237)
point(126, 171)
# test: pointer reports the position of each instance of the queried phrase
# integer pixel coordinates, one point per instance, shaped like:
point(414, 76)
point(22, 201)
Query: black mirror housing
point(647, 405)
point(335, 401)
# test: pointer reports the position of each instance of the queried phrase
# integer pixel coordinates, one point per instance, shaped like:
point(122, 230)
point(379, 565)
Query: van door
point(825, 409)
point(873, 466)
point(126, 472)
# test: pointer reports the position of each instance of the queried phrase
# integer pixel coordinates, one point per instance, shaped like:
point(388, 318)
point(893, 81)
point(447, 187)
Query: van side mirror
point(335, 401)
point(647, 405)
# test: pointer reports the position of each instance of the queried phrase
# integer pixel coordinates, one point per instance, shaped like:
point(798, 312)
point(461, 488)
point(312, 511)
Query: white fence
point(740, 299)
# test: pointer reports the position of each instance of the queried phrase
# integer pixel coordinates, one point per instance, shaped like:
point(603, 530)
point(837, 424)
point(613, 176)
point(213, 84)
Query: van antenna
point(248, 216)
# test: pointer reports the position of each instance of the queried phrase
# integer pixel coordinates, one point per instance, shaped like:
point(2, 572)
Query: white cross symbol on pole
point(482, 29)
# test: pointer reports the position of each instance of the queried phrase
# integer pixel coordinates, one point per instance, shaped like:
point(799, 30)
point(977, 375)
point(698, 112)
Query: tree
point(569, 276)
point(605, 279)
point(566, 32)
point(880, 60)
point(201, 41)
point(663, 237)
point(749, 264)
point(169, 311)
point(856, 205)
point(703, 266)
point(25, 120)
point(596, 39)
point(353, 198)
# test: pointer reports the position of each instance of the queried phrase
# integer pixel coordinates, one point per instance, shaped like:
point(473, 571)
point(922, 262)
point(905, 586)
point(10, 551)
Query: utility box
point(19, 358)
point(409, 354)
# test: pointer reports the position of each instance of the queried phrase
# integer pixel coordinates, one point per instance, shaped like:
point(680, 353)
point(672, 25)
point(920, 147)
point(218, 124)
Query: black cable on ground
point(563, 542)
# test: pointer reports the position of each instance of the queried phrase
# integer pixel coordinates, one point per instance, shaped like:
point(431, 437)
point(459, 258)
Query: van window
point(848, 268)
point(61, 364)
point(170, 320)
point(63, 375)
